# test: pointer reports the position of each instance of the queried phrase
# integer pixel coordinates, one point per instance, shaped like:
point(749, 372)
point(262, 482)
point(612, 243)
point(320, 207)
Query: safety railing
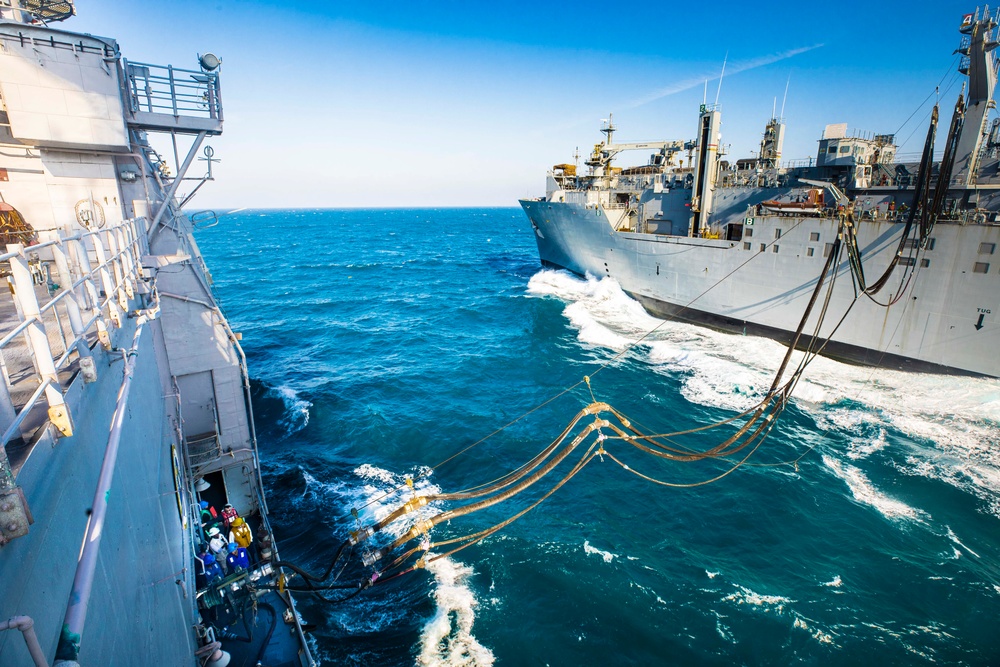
point(98, 273)
point(170, 90)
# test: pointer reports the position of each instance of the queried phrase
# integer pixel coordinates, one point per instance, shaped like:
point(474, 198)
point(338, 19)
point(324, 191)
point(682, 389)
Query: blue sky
point(332, 104)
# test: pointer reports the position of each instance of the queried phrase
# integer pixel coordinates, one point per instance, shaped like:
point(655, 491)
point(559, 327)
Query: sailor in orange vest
point(228, 514)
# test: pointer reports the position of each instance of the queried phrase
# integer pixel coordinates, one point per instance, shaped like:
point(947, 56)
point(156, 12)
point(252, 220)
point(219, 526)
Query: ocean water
point(382, 342)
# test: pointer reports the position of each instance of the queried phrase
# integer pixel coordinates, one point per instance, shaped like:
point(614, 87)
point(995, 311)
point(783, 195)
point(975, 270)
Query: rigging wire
point(586, 379)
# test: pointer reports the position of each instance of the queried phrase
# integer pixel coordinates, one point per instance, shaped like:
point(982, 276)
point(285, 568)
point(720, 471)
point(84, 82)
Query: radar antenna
point(609, 127)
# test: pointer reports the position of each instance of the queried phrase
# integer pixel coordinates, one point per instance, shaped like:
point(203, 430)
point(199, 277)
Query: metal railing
point(170, 90)
point(98, 271)
point(27, 39)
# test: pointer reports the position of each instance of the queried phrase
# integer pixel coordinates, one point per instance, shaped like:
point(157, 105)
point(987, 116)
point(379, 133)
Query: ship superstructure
point(739, 245)
point(128, 440)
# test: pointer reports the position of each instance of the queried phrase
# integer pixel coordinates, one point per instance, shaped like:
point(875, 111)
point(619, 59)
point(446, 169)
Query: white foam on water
point(711, 575)
point(724, 632)
point(952, 420)
point(382, 492)
point(835, 582)
point(865, 492)
point(954, 538)
point(767, 603)
point(296, 415)
point(606, 555)
point(820, 636)
point(447, 640)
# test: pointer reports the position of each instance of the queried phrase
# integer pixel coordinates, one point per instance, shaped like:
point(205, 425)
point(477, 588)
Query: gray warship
point(740, 246)
point(129, 453)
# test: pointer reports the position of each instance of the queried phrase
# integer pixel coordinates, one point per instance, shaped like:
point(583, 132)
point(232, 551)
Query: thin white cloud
point(732, 68)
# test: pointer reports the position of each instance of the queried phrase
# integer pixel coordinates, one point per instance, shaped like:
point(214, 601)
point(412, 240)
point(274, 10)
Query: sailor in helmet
point(217, 543)
point(238, 559)
point(239, 532)
point(212, 570)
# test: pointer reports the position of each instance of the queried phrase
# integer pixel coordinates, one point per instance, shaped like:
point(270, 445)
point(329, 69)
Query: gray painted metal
point(83, 581)
point(145, 512)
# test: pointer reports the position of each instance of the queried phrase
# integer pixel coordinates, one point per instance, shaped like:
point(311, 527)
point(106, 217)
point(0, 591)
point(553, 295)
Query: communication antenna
point(719, 89)
point(704, 97)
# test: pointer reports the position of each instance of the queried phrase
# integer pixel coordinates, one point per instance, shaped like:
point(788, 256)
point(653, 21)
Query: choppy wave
point(745, 596)
point(296, 415)
point(607, 556)
point(865, 492)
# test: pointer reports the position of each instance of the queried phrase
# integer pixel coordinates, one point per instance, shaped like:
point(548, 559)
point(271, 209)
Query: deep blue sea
point(381, 342)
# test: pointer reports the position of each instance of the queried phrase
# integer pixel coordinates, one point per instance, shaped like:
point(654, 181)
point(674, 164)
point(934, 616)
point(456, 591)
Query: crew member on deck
point(238, 559)
point(228, 514)
point(240, 533)
point(212, 570)
point(209, 517)
point(217, 543)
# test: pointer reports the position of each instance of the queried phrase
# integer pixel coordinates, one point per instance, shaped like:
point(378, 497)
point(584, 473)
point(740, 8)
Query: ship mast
point(979, 64)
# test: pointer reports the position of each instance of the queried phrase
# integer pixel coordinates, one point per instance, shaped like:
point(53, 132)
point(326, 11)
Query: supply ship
point(133, 525)
point(740, 246)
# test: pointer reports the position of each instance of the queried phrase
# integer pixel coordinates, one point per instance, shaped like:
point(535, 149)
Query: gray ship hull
point(944, 320)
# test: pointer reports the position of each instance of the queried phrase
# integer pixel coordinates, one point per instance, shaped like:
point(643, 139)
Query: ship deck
point(272, 640)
